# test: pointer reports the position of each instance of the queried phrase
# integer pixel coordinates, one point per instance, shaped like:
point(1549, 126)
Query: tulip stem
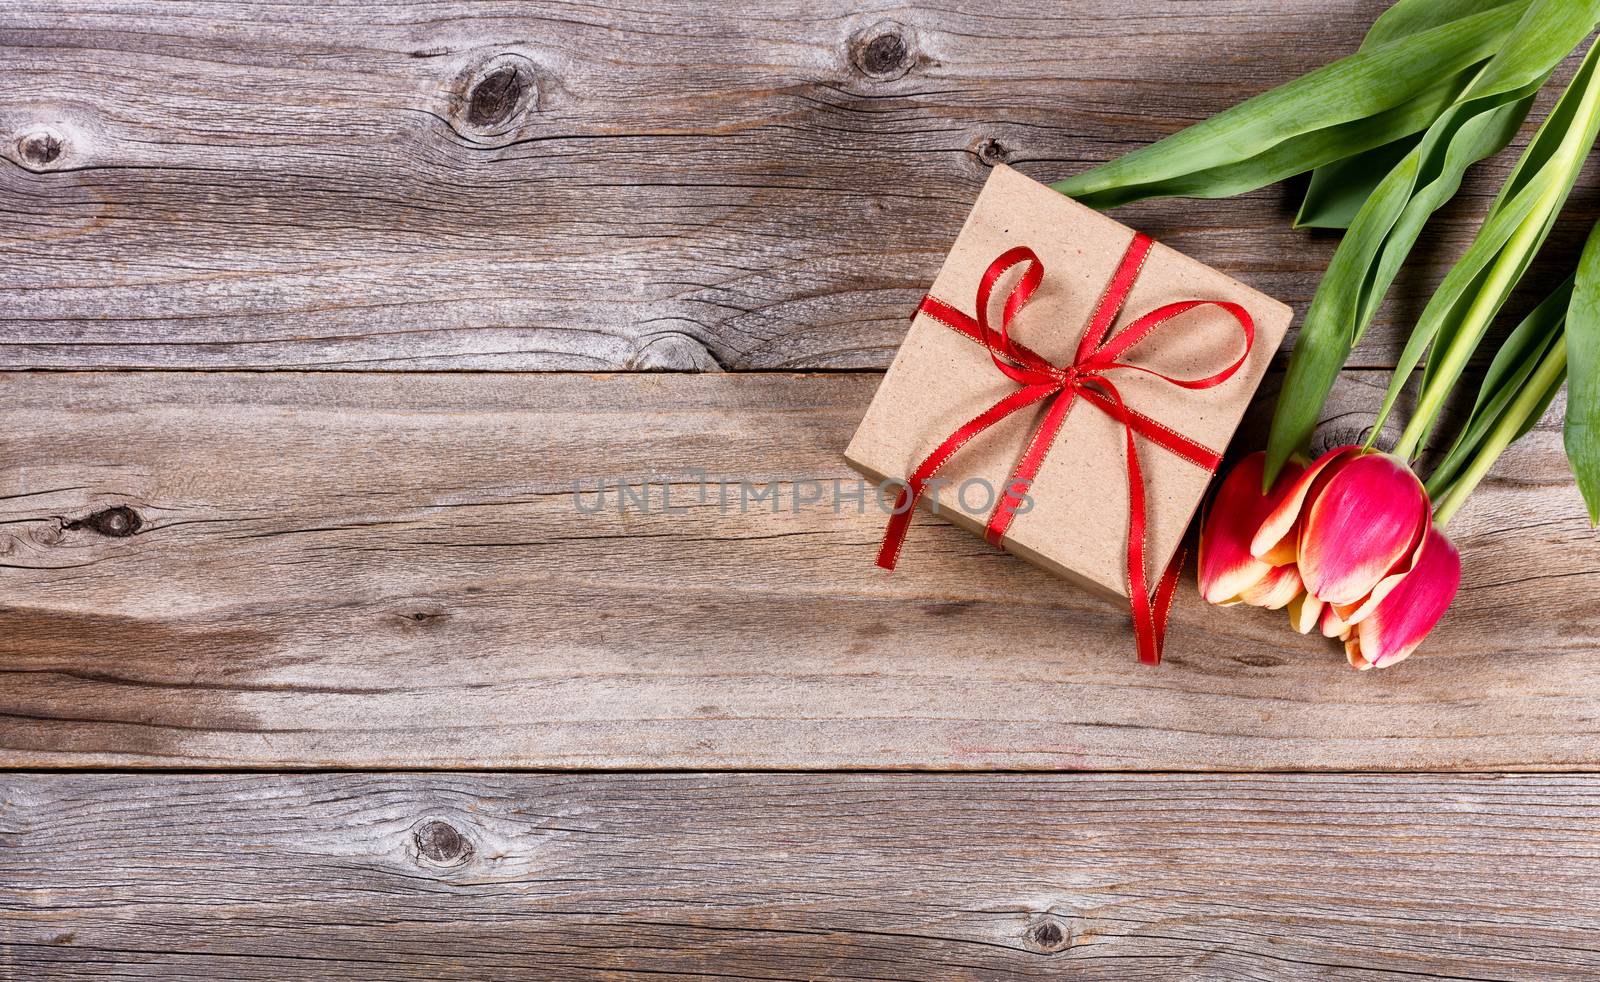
point(1558, 172)
point(1552, 368)
point(1484, 306)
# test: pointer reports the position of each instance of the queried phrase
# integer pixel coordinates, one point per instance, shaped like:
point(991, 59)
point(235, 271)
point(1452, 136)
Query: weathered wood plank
point(565, 186)
point(473, 876)
point(389, 569)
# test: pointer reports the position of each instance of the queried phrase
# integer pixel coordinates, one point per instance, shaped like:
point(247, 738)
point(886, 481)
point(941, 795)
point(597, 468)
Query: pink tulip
point(1396, 625)
point(1347, 544)
point(1227, 567)
point(1354, 518)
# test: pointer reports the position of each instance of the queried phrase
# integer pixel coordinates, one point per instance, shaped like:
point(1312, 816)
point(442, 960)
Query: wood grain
point(389, 569)
point(794, 877)
point(562, 186)
point(374, 570)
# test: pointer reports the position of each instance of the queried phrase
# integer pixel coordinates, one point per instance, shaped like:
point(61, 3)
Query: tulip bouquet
point(1352, 543)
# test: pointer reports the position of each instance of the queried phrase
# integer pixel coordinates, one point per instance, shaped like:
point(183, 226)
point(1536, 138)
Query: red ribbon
point(1059, 387)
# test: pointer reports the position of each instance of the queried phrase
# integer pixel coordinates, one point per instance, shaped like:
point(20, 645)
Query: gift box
point(1097, 382)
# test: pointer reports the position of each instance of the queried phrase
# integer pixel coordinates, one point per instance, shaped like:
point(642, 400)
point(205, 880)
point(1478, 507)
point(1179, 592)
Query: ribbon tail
point(1028, 468)
point(1146, 633)
point(1149, 618)
point(894, 534)
point(1165, 591)
point(1150, 613)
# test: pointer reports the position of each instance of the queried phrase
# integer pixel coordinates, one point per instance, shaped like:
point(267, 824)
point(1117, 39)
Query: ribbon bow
point(1060, 386)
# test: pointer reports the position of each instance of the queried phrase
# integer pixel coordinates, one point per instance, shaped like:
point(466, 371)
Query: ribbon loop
point(1059, 387)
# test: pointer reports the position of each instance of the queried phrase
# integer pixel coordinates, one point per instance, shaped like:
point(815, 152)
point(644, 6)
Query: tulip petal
point(1332, 625)
point(1305, 612)
point(1275, 590)
point(1355, 613)
point(1403, 619)
point(1281, 554)
point(1275, 538)
point(1359, 526)
point(1227, 569)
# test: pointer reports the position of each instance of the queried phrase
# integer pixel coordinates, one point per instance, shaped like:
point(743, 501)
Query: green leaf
point(1370, 256)
point(1349, 91)
point(1582, 433)
point(1462, 309)
point(1481, 130)
point(1326, 146)
point(1408, 17)
point(1337, 190)
point(1388, 224)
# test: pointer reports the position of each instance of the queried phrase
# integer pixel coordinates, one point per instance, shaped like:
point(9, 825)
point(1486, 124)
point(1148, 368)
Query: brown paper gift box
point(1077, 526)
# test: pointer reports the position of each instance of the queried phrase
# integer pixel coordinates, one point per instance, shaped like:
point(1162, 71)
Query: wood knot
point(118, 522)
point(441, 844)
point(1328, 437)
point(991, 152)
point(489, 98)
point(497, 97)
point(416, 618)
point(672, 351)
point(882, 52)
point(1047, 935)
point(40, 149)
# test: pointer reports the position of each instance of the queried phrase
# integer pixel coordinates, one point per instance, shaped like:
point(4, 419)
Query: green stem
point(1528, 402)
point(1502, 276)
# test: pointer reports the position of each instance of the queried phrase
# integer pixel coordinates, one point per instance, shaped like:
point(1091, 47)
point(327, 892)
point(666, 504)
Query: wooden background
point(309, 665)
